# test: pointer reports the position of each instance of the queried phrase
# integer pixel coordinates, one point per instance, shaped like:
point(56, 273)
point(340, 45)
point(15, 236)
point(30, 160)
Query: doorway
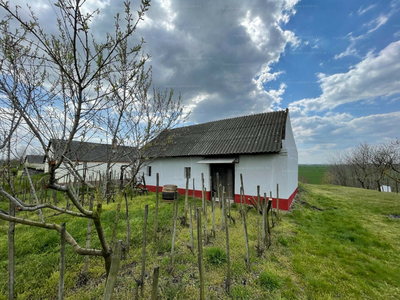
point(226, 174)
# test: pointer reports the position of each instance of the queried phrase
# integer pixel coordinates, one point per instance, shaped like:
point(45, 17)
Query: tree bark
point(62, 263)
point(113, 273)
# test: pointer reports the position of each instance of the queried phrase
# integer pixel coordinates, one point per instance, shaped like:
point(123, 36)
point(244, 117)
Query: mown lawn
point(336, 242)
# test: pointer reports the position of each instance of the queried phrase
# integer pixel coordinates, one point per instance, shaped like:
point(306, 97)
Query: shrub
point(215, 255)
point(269, 280)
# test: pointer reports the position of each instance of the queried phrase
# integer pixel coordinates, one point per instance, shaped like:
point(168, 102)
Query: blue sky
point(334, 63)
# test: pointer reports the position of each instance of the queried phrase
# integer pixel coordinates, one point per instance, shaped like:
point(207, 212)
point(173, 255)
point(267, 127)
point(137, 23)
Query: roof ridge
point(233, 118)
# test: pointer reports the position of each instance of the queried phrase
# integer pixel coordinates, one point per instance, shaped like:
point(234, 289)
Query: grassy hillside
point(337, 242)
point(312, 174)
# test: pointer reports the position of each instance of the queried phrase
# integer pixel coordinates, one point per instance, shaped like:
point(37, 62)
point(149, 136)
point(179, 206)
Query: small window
point(187, 172)
point(149, 171)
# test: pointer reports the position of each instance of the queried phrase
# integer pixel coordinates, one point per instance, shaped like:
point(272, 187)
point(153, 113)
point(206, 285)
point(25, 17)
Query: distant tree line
point(367, 166)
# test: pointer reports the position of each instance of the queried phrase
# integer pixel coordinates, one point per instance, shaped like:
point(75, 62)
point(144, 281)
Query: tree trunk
point(113, 271)
point(62, 263)
point(88, 237)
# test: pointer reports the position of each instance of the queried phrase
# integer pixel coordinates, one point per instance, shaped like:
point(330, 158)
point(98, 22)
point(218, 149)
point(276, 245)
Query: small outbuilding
point(261, 147)
point(91, 159)
point(35, 162)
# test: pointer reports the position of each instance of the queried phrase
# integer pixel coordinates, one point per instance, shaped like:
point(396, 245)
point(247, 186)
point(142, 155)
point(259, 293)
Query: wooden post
point(191, 228)
point(200, 254)
point(174, 231)
point(264, 221)
point(146, 213)
point(112, 276)
point(228, 260)
point(202, 191)
point(128, 225)
point(194, 198)
point(272, 213)
point(205, 220)
point(277, 201)
point(154, 289)
point(213, 213)
point(88, 236)
point(245, 232)
point(219, 193)
point(117, 212)
point(156, 210)
point(259, 208)
point(55, 197)
point(186, 198)
point(222, 200)
point(62, 264)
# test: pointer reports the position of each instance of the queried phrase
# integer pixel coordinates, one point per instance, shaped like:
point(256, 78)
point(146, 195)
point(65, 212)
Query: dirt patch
point(310, 206)
point(394, 216)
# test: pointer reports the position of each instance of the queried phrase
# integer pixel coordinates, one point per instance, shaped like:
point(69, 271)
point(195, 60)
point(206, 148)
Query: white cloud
point(319, 137)
point(378, 22)
point(375, 76)
point(362, 10)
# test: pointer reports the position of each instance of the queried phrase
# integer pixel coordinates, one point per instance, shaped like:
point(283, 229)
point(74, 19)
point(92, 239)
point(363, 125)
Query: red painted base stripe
point(284, 204)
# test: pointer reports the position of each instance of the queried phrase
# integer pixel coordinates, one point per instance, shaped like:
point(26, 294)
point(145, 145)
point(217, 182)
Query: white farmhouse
point(90, 159)
point(261, 147)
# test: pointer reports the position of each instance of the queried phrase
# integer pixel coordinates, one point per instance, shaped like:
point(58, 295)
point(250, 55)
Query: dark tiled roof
point(260, 133)
point(94, 152)
point(35, 159)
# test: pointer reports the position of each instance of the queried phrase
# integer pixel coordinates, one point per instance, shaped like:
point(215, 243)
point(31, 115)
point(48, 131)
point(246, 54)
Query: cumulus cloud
point(375, 76)
point(318, 137)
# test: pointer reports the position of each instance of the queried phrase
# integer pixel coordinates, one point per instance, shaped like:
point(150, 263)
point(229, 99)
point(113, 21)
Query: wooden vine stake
point(228, 260)
point(194, 198)
point(222, 205)
point(243, 213)
point(272, 213)
point(141, 279)
point(277, 202)
point(62, 263)
point(191, 246)
point(264, 222)
point(186, 198)
point(154, 290)
point(156, 210)
point(112, 276)
point(205, 220)
point(202, 191)
point(213, 213)
point(128, 225)
point(174, 232)
point(200, 254)
point(259, 209)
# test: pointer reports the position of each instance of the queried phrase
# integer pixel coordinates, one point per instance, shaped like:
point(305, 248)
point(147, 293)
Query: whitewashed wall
point(93, 169)
point(268, 170)
point(171, 171)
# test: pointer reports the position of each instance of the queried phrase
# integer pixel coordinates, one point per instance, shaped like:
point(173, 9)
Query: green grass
point(337, 242)
point(312, 174)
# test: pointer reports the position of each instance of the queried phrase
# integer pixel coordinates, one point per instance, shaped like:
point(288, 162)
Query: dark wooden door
point(226, 178)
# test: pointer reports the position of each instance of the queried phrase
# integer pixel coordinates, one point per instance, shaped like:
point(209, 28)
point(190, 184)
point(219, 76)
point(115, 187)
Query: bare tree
point(77, 81)
point(367, 165)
